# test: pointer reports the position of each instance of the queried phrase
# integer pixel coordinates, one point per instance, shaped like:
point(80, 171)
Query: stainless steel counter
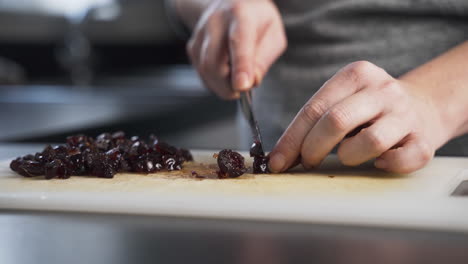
point(40, 237)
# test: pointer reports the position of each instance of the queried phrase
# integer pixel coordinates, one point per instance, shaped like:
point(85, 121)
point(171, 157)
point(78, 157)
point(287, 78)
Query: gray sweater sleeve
point(325, 35)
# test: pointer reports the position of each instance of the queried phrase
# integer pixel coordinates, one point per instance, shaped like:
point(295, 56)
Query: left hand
point(402, 124)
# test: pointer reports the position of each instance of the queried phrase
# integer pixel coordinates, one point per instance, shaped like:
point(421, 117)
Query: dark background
point(142, 82)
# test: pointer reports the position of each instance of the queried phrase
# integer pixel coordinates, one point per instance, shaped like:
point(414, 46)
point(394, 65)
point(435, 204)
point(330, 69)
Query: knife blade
point(245, 103)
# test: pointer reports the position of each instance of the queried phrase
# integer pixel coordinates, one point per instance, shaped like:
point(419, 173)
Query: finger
point(411, 156)
point(193, 50)
point(347, 81)
point(223, 84)
point(213, 47)
point(193, 47)
point(213, 64)
point(372, 141)
point(224, 93)
point(221, 87)
point(271, 45)
point(341, 119)
point(242, 43)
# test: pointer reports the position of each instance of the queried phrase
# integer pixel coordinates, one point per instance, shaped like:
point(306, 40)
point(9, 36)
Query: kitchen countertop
point(53, 238)
point(68, 237)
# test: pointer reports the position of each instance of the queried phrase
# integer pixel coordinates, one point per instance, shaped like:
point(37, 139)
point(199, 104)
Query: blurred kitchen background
point(89, 66)
point(93, 66)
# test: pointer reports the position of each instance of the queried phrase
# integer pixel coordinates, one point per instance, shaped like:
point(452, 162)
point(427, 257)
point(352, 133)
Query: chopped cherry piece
point(56, 168)
point(29, 157)
point(231, 164)
point(14, 165)
point(75, 141)
point(260, 165)
point(118, 135)
point(256, 149)
point(48, 154)
point(165, 148)
point(30, 168)
point(186, 154)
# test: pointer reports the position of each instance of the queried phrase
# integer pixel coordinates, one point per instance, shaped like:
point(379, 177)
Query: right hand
point(234, 44)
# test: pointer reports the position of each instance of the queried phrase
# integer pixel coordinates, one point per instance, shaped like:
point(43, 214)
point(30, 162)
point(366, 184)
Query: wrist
point(445, 82)
point(436, 110)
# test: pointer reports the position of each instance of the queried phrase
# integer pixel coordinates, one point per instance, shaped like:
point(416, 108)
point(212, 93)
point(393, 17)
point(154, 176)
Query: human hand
point(402, 125)
point(234, 44)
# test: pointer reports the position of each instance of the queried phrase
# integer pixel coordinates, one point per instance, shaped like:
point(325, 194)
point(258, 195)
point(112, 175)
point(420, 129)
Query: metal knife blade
point(245, 103)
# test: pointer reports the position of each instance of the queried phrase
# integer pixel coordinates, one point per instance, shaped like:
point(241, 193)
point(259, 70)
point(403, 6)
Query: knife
point(245, 103)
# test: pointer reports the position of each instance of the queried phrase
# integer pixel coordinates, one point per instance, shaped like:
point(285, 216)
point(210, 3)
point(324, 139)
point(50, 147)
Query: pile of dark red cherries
point(102, 157)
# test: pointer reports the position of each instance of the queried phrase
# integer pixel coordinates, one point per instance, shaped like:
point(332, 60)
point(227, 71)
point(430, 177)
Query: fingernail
point(242, 81)
point(277, 162)
point(380, 163)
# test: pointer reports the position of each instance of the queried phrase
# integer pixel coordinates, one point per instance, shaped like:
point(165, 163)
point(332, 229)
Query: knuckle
point(363, 66)
point(238, 8)
point(376, 141)
point(391, 85)
point(312, 111)
point(393, 89)
point(357, 70)
point(425, 152)
point(338, 119)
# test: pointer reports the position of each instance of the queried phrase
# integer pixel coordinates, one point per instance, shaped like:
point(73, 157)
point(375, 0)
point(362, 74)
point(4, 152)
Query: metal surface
point(141, 21)
point(135, 103)
point(39, 237)
point(462, 189)
point(245, 103)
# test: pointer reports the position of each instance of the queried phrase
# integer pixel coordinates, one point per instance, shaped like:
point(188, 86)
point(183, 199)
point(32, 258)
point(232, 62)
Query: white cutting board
point(331, 194)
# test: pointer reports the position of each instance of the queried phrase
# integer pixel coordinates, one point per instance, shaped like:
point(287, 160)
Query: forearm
point(445, 82)
point(189, 11)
